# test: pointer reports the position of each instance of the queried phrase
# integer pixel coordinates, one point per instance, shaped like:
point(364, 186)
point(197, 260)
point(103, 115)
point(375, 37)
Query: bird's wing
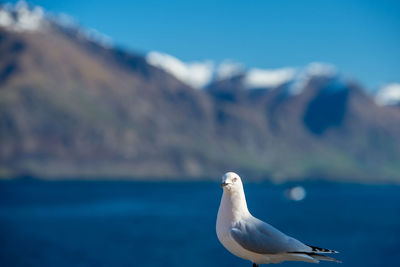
point(260, 237)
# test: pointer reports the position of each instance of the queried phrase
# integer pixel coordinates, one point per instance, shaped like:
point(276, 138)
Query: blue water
point(173, 224)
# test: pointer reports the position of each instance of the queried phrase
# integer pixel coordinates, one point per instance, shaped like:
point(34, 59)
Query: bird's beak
point(223, 184)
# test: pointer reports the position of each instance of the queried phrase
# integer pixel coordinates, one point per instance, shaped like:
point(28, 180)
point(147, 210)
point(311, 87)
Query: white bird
point(252, 239)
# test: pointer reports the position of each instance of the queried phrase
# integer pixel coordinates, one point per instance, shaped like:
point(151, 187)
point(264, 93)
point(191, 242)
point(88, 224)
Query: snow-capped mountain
point(73, 106)
point(388, 95)
point(21, 17)
point(202, 74)
point(195, 74)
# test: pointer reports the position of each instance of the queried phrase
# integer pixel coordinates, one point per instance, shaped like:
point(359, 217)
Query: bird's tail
point(312, 257)
point(317, 251)
point(322, 257)
point(316, 254)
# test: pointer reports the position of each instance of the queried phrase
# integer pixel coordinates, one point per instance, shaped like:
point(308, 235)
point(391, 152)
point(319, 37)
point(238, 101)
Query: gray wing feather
point(260, 237)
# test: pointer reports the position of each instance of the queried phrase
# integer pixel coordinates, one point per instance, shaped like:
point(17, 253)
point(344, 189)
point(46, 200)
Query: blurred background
point(118, 118)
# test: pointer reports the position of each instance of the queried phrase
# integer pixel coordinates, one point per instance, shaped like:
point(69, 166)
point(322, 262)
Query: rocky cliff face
point(71, 106)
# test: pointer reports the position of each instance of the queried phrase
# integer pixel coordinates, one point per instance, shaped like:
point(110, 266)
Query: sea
point(123, 223)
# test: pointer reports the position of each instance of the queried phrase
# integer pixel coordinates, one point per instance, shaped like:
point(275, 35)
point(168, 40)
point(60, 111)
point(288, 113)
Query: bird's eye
point(234, 180)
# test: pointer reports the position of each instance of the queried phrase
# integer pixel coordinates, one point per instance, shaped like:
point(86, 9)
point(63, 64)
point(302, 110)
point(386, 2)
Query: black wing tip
point(322, 250)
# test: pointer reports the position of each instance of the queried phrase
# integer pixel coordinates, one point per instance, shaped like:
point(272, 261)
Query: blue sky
point(362, 38)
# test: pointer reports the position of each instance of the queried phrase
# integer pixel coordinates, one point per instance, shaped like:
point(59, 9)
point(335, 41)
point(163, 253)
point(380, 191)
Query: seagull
point(251, 239)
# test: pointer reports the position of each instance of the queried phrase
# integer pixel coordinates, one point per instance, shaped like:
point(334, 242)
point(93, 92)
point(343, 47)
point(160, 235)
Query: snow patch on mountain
point(319, 69)
point(312, 70)
point(227, 69)
point(21, 17)
point(388, 95)
point(96, 37)
point(268, 78)
point(199, 74)
point(196, 74)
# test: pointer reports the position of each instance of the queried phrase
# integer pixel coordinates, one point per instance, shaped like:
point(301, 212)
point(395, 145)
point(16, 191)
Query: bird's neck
point(233, 204)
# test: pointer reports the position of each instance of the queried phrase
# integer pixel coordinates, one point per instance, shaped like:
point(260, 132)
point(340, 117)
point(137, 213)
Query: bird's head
point(231, 182)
